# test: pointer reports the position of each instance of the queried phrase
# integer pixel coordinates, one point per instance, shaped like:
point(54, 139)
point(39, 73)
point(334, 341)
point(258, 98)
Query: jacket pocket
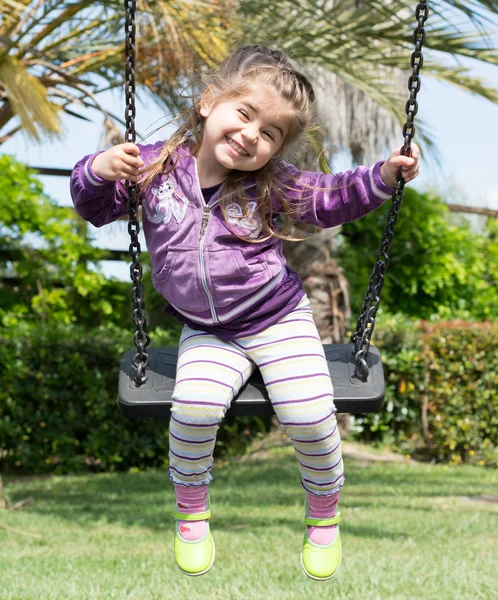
point(163, 274)
point(179, 281)
point(232, 278)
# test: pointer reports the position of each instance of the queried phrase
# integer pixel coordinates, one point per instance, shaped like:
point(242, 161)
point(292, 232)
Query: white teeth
point(236, 147)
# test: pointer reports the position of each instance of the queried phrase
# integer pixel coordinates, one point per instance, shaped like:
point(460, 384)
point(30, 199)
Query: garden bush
point(442, 391)
point(58, 410)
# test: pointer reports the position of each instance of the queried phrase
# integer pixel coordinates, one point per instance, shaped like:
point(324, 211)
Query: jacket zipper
point(204, 222)
point(205, 218)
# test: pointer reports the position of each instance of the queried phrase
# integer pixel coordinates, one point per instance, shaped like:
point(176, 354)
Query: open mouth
point(237, 147)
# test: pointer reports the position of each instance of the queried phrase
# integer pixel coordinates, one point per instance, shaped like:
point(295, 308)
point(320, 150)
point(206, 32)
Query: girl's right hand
point(119, 162)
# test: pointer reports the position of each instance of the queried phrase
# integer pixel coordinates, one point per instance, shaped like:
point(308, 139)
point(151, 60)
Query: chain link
point(366, 321)
point(142, 340)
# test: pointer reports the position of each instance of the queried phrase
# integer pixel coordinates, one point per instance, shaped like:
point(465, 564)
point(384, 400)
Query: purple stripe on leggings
point(203, 334)
point(204, 346)
point(210, 362)
point(322, 454)
point(204, 379)
point(200, 403)
point(319, 468)
point(277, 360)
point(188, 474)
point(294, 377)
point(314, 440)
point(311, 398)
point(307, 424)
point(193, 424)
point(294, 337)
point(188, 457)
point(294, 321)
point(323, 484)
point(179, 439)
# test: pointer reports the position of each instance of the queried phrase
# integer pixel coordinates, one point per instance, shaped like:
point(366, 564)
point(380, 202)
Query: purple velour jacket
point(212, 279)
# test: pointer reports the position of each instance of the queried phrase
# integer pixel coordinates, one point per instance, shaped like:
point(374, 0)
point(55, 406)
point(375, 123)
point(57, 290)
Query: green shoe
point(194, 557)
point(321, 562)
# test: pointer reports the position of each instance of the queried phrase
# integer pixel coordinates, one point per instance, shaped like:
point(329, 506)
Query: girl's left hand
point(409, 165)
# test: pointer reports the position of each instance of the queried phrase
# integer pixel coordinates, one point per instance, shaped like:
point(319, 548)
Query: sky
point(464, 127)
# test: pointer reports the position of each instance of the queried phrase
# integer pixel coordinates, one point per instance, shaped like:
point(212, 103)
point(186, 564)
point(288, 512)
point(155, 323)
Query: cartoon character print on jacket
point(168, 204)
point(247, 225)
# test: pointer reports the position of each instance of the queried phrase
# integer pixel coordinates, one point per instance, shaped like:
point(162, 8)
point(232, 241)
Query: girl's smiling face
point(244, 132)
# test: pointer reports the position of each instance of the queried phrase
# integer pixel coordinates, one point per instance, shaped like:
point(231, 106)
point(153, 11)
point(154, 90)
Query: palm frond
point(28, 100)
point(461, 78)
point(82, 42)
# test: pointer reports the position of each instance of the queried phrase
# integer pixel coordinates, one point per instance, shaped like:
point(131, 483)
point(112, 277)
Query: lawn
point(409, 531)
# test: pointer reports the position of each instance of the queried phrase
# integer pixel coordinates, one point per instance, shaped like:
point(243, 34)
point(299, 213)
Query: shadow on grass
point(241, 492)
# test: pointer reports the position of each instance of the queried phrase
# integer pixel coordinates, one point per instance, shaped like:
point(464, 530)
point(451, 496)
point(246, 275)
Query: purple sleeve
point(97, 200)
point(331, 200)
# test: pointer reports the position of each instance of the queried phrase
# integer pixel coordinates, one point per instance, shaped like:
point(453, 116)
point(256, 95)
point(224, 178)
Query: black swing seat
point(153, 398)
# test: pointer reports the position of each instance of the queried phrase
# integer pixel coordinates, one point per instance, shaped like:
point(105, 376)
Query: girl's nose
point(251, 134)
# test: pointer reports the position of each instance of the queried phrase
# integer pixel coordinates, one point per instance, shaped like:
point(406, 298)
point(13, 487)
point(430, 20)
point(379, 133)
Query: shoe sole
point(319, 578)
point(201, 572)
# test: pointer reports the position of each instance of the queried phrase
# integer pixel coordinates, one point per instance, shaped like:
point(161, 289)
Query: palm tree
point(57, 56)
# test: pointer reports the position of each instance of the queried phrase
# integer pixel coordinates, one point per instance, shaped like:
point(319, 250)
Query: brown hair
point(245, 67)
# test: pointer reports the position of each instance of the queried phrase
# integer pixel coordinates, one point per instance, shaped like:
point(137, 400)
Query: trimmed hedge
point(442, 391)
point(58, 410)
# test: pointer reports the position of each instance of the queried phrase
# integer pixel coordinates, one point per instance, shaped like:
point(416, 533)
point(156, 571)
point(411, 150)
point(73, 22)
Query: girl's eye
point(270, 135)
point(243, 113)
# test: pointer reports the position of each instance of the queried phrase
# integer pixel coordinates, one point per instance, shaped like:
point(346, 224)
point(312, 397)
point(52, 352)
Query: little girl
point(211, 195)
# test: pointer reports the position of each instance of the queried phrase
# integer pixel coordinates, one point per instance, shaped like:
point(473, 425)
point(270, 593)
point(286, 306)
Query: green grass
point(408, 532)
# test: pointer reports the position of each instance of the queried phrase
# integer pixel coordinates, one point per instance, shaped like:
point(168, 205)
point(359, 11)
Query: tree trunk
point(3, 500)
point(6, 113)
point(324, 283)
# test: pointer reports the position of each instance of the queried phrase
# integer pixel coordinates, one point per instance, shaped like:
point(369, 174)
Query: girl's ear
point(206, 102)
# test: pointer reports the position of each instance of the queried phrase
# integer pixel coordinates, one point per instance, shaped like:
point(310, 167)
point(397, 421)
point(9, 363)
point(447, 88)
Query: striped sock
point(322, 507)
point(191, 500)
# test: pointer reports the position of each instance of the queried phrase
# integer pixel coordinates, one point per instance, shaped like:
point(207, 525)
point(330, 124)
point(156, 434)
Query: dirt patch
point(360, 453)
point(490, 499)
point(363, 454)
point(483, 502)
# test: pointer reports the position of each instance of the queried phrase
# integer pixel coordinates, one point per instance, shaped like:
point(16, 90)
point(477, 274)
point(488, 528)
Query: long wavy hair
point(241, 71)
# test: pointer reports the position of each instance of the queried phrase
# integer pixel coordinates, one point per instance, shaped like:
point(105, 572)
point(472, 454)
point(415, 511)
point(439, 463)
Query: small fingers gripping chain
point(366, 322)
point(142, 340)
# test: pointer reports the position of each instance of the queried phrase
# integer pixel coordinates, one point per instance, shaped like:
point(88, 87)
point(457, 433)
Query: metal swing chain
point(142, 340)
point(366, 321)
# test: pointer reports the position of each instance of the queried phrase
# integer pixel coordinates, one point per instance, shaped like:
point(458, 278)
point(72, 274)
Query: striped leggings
point(290, 357)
